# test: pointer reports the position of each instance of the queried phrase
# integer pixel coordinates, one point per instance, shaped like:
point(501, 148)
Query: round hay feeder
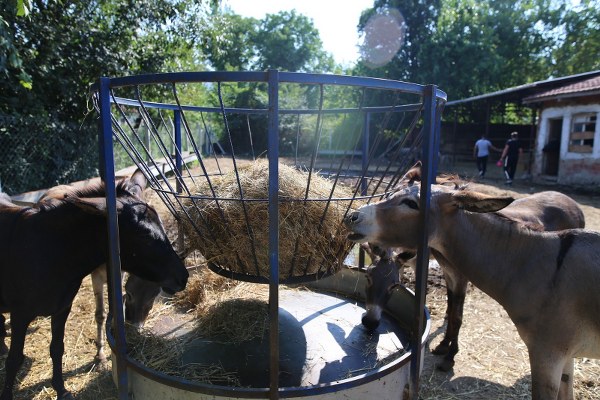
point(262, 192)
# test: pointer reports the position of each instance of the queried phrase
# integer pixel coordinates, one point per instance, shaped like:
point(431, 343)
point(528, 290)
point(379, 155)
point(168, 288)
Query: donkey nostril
point(369, 323)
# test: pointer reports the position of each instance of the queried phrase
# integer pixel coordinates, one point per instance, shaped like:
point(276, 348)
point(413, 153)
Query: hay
point(164, 355)
point(312, 237)
point(231, 311)
point(220, 309)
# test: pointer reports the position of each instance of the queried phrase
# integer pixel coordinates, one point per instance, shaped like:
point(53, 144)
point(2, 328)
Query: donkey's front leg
point(57, 349)
point(19, 324)
point(566, 381)
point(456, 285)
point(546, 371)
point(3, 348)
point(98, 281)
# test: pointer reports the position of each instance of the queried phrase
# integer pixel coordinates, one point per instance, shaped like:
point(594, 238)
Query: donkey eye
point(411, 203)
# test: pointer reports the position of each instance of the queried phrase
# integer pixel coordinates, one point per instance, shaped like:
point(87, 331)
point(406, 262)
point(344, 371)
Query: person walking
point(510, 155)
point(481, 152)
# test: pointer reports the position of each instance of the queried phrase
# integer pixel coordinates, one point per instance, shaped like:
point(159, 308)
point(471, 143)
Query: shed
point(558, 126)
point(568, 135)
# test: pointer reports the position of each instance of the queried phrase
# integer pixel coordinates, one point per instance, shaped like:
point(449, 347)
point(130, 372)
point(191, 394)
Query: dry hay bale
point(312, 237)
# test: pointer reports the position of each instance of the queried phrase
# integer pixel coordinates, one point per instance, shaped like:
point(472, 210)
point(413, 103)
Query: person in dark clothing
point(510, 156)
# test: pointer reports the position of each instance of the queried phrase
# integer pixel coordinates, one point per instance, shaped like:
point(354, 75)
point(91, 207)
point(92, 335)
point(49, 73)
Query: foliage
point(579, 40)
point(469, 47)
point(286, 41)
point(112, 38)
point(52, 51)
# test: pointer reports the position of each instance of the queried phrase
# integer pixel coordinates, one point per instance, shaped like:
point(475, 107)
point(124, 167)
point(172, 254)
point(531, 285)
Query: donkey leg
point(457, 286)
point(57, 349)
point(444, 346)
point(455, 318)
point(19, 324)
point(98, 280)
point(3, 348)
point(566, 381)
point(546, 372)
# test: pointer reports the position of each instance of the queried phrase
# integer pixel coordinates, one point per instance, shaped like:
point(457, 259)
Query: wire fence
point(38, 153)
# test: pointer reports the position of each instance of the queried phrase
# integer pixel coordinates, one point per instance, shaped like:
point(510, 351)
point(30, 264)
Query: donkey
point(139, 293)
point(550, 211)
point(546, 281)
point(48, 249)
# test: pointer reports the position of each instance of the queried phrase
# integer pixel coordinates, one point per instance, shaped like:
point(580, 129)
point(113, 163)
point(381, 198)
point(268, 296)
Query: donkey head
point(139, 299)
point(382, 277)
point(394, 220)
point(145, 249)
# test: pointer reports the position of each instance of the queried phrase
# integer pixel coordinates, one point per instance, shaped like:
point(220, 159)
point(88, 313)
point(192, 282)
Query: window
point(582, 133)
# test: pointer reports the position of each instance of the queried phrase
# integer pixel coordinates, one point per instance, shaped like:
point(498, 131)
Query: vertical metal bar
point(107, 174)
point(179, 170)
point(273, 153)
point(427, 178)
point(363, 181)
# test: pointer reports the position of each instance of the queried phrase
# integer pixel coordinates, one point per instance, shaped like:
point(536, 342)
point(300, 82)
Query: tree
point(229, 45)
point(469, 47)
point(579, 39)
point(112, 38)
point(61, 48)
point(289, 41)
point(286, 41)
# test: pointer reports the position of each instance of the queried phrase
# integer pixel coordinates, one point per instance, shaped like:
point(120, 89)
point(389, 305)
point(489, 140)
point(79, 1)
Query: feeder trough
point(325, 352)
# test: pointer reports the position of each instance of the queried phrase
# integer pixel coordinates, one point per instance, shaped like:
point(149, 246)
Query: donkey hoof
point(66, 396)
point(440, 350)
point(445, 365)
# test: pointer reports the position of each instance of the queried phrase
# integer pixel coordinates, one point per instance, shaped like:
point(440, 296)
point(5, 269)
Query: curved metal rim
point(252, 278)
point(284, 77)
point(242, 392)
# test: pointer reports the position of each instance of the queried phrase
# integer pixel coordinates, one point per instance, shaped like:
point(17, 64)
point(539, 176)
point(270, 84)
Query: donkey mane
point(62, 194)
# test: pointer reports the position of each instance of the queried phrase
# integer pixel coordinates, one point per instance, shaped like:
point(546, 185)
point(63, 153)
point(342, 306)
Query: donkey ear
point(413, 174)
point(138, 183)
point(479, 202)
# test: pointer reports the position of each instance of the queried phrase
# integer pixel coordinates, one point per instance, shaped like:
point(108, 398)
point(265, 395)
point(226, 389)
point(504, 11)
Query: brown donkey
point(550, 211)
point(546, 281)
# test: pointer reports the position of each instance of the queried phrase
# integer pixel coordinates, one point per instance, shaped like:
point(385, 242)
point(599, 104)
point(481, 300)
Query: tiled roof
point(585, 87)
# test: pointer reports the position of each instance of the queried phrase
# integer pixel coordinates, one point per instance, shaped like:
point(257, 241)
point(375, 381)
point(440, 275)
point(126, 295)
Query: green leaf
point(23, 8)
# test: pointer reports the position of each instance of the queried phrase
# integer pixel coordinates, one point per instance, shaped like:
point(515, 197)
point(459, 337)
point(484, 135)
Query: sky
point(336, 20)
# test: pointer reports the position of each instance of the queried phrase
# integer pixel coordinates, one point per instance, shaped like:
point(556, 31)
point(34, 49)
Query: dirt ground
point(492, 362)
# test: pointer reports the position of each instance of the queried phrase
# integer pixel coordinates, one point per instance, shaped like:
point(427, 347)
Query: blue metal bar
point(291, 111)
point(284, 77)
point(178, 160)
point(363, 181)
point(273, 154)
point(429, 143)
point(107, 173)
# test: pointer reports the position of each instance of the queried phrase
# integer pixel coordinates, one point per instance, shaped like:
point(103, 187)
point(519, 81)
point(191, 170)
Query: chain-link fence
point(37, 153)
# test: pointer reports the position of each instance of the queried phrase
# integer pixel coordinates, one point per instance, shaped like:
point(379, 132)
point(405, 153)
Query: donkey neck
point(488, 249)
point(78, 237)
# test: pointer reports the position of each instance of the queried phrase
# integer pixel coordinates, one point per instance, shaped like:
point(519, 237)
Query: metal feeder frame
point(433, 101)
